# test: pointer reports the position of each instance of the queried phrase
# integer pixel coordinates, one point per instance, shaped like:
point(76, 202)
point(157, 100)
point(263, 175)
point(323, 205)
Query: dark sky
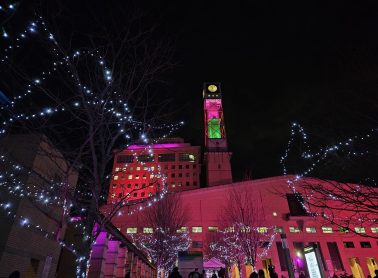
point(313, 62)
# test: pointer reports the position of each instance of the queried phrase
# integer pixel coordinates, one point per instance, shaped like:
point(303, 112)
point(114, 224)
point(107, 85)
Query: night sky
point(310, 62)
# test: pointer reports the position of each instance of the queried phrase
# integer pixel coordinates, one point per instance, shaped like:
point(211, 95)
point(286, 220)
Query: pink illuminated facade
point(140, 171)
point(340, 251)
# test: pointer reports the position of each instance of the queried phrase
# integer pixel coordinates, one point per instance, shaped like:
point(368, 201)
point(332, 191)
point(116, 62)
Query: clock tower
point(217, 156)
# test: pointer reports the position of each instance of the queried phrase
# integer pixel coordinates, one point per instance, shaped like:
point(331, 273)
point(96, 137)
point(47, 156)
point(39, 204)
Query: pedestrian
point(175, 273)
point(253, 275)
point(261, 273)
point(222, 272)
point(194, 274)
point(214, 275)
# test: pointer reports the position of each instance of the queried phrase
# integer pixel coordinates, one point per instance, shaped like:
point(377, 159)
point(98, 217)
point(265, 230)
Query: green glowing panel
point(214, 130)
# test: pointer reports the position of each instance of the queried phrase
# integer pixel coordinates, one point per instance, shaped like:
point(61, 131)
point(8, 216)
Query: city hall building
point(141, 171)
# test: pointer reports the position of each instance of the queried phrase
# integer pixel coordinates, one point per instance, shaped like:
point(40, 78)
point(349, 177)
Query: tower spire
point(217, 156)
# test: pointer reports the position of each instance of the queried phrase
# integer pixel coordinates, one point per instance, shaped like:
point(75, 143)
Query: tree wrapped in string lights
point(347, 206)
point(87, 97)
point(244, 237)
point(162, 232)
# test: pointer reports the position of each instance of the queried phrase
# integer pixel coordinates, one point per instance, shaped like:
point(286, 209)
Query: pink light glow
point(157, 146)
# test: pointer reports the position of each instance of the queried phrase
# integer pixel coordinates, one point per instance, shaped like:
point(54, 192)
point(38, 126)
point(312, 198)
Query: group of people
point(195, 274)
point(261, 273)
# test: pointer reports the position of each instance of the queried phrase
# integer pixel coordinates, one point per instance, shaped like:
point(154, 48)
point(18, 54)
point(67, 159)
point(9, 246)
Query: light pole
point(288, 261)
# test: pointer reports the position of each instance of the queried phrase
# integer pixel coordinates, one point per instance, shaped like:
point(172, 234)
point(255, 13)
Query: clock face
point(212, 88)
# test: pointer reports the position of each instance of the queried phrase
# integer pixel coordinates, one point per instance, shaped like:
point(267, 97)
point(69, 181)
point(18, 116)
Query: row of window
point(166, 157)
point(135, 194)
point(152, 168)
point(329, 230)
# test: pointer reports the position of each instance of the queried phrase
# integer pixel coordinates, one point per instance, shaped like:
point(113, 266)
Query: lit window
point(197, 229)
point(137, 177)
point(213, 229)
point(278, 229)
point(182, 230)
point(131, 230)
point(130, 177)
point(152, 176)
point(359, 230)
point(274, 213)
point(229, 230)
point(115, 178)
point(123, 169)
point(137, 168)
point(113, 195)
point(136, 185)
point(114, 185)
point(148, 230)
point(152, 168)
point(245, 229)
point(327, 230)
point(150, 194)
point(145, 168)
point(343, 230)
point(179, 184)
point(116, 169)
point(131, 169)
point(311, 230)
point(374, 230)
point(262, 230)
point(173, 184)
point(294, 230)
point(144, 177)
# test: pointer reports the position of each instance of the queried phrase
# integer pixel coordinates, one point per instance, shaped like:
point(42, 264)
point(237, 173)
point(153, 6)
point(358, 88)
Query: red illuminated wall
point(139, 169)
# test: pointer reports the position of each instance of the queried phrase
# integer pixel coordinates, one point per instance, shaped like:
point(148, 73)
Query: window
point(113, 195)
point(115, 178)
point(359, 230)
point(143, 185)
point(173, 184)
point(132, 230)
point(295, 201)
point(124, 169)
point(180, 166)
point(122, 177)
point(187, 166)
point(196, 229)
point(182, 230)
point(146, 158)
point(148, 230)
point(166, 167)
point(135, 194)
point(187, 183)
point(348, 244)
point(311, 230)
point(365, 244)
point(130, 169)
point(137, 177)
point(144, 177)
point(294, 229)
point(374, 230)
point(274, 213)
point(197, 244)
point(152, 176)
point(278, 229)
point(194, 166)
point(119, 195)
point(180, 175)
point(166, 157)
point(136, 185)
point(145, 168)
point(130, 177)
point(343, 230)
point(173, 167)
point(187, 175)
point(116, 169)
point(172, 175)
point(229, 230)
point(179, 184)
point(194, 183)
point(327, 230)
point(149, 194)
point(187, 157)
point(129, 185)
point(262, 230)
point(125, 159)
point(335, 256)
point(122, 186)
point(143, 194)
point(213, 229)
point(219, 166)
point(138, 168)
point(114, 185)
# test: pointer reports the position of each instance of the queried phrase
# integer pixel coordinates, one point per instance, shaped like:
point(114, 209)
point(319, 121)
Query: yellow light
point(212, 88)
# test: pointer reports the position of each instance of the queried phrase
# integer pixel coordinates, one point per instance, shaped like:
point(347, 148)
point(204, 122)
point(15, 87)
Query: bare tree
point(348, 207)
point(163, 232)
point(244, 231)
point(87, 100)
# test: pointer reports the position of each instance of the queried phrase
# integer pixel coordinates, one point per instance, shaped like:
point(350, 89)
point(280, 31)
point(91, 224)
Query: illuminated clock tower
point(217, 156)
